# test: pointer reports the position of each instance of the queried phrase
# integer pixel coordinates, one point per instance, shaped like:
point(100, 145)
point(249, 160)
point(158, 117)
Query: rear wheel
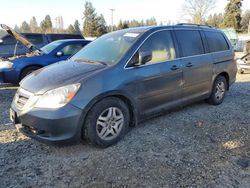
point(28, 71)
point(107, 122)
point(219, 90)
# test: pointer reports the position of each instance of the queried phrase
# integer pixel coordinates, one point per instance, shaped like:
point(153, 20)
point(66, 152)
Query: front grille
point(22, 97)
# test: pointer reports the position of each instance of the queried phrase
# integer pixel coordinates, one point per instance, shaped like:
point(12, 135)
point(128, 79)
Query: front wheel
point(107, 122)
point(218, 92)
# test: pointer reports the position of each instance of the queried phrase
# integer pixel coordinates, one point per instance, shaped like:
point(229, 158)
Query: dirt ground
point(196, 146)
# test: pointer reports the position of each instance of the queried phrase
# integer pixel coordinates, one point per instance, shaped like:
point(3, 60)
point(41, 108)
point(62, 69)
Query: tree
point(46, 24)
point(77, 27)
point(150, 22)
point(89, 16)
point(33, 25)
point(196, 11)
point(71, 29)
point(25, 28)
point(101, 26)
point(245, 22)
point(215, 20)
point(93, 24)
point(16, 28)
point(232, 16)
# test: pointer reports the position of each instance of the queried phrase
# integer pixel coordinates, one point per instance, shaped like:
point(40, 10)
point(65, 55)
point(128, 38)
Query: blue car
point(13, 71)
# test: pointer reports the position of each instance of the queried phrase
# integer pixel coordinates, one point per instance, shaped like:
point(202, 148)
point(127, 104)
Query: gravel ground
point(197, 146)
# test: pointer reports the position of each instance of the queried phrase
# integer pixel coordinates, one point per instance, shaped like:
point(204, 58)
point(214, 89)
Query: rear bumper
point(59, 126)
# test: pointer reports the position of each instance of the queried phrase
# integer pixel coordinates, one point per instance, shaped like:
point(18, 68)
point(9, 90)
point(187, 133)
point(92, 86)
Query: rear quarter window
point(190, 42)
point(216, 41)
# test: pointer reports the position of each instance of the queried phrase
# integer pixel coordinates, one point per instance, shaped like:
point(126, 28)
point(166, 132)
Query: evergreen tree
point(232, 16)
point(33, 25)
point(245, 22)
point(215, 20)
point(46, 24)
point(90, 20)
point(77, 27)
point(71, 29)
point(16, 28)
point(25, 28)
point(101, 26)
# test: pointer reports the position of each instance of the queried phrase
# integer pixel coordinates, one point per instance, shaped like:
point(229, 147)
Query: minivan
point(123, 78)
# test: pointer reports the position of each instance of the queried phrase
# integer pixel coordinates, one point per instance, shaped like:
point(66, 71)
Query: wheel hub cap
point(109, 124)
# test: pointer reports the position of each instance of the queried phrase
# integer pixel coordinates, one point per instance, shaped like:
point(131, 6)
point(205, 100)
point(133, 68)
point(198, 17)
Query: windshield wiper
point(90, 61)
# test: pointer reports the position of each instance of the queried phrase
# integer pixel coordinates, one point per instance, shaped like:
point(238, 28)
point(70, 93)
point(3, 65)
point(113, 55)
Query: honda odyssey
point(122, 78)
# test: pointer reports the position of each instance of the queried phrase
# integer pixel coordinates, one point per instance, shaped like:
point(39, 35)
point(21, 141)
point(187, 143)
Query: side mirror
point(59, 54)
point(144, 57)
point(1, 41)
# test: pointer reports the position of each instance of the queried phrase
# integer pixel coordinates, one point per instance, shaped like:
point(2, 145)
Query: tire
point(28, 71)
point(218, 92)
point(103, 128)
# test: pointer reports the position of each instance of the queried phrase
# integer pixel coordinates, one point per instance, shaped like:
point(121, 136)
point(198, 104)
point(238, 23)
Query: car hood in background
point(57, 75)
point(20, 38)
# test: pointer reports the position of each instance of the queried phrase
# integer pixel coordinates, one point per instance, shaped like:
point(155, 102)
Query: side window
point(71, 49)
point(35, 39)
point(190, 42)
point(216, 41)
point(9, 40)
point(161, 46)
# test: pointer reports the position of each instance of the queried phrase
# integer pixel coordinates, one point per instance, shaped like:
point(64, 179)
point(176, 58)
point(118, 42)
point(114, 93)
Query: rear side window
point(9, 40)
point(190, 42)
point(35, 39)
point(216, 41)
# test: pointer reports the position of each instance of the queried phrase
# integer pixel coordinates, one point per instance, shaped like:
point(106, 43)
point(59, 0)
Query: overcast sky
point(15, 11)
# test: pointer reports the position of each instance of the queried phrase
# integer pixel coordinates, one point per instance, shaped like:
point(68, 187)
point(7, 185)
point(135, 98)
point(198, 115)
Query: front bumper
point(50, 126)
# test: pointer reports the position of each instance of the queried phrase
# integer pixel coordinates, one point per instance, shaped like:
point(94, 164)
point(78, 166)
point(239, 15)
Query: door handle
point(174, 67)
point(189, 65)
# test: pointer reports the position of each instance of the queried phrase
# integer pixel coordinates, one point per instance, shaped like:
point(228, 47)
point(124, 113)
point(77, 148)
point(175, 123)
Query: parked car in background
point(243, 64)
point(233, 37)
point(9, 46)
point(122, 78)
point(13, 71)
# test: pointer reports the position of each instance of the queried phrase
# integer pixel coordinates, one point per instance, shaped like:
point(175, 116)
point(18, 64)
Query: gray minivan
point(122, 78)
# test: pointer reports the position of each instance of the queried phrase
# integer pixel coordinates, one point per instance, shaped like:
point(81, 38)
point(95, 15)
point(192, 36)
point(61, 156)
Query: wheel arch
point(122, 96)
point(226, 76)
point(28, 66)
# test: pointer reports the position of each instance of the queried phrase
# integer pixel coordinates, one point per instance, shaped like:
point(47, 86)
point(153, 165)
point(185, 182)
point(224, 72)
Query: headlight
point(6, 65)
point(58, 97)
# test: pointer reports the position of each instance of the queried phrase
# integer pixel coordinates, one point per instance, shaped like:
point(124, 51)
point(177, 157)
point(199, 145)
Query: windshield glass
point(107, 49)
point(51, 46)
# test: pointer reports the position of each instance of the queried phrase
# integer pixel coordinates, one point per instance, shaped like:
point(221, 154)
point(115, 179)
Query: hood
point(57, 75)
point(20, 38)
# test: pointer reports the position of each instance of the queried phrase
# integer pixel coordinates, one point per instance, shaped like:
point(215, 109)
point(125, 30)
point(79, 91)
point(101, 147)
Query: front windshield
point(107, 49)
point(50, 47)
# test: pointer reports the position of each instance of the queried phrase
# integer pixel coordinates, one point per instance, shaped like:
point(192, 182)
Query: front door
point(159, 81)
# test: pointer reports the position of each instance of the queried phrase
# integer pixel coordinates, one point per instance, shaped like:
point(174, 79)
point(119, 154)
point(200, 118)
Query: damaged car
point(13, 70)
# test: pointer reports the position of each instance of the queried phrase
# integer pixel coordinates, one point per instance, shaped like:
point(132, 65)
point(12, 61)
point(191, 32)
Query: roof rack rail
point(199, 25)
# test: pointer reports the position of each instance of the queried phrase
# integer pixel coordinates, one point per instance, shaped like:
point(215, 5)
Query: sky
point(16, 11)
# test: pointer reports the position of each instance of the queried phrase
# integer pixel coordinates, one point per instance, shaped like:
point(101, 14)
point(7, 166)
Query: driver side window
point(160, 45)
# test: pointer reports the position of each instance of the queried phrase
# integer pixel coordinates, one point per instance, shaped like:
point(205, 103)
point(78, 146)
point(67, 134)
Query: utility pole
point(112, 19)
